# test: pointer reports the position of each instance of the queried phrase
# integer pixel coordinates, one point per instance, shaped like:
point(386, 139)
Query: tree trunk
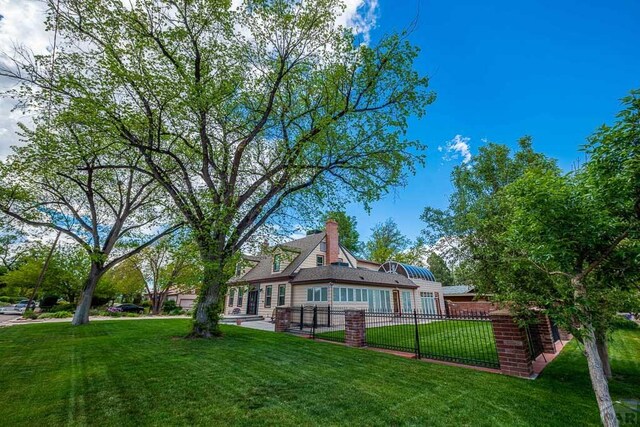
point(598, 380)
point(81, 316)
point(156, 305)
point(603, 352)
point(210, 299)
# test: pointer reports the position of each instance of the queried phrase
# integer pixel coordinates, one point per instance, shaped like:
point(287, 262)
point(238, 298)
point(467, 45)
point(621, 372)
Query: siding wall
point(310, 262)
point(262, 310)
point(426, 286)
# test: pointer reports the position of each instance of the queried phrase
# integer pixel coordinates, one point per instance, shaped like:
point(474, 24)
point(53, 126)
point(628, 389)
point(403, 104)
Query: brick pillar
point(546, 335)
point(355, 330)
point(512, 345)
point(283, 318)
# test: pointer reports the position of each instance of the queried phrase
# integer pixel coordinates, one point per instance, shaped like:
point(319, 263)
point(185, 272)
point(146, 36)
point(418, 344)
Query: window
point(276, 263)
point(349, 295)
point(319, 260)
point(281, 293)
point(267, 296)
point(316, 294)
point(232, 295)
point(323, 246)
point(379, 300)
point(238, 269)
point(428, 302)
point(240, 292)
point(406, 301)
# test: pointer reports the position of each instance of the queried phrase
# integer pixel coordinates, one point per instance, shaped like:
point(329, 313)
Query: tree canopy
point(240, 115)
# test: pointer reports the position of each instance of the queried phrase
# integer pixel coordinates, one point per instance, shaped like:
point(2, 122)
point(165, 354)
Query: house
point(318, 270)
point(463, 299)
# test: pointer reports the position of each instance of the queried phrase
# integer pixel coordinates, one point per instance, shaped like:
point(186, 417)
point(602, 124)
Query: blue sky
point(554, 70)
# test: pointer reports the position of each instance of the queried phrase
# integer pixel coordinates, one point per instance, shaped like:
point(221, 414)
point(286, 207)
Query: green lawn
point(465, 341)
point(141, 373)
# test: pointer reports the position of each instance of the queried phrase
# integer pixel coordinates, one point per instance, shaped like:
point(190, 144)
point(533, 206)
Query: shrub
point(56, 315)
point(63, 306)
point(176, 312)
point(146, 304)
point(48, 302)
point(29, 314)
point(130, 315)
point(11, 300)
point(4, 304)
point(169, 306)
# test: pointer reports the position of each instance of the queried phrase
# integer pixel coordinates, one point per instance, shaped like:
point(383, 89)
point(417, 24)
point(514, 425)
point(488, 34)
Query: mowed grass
point(117, 373)
point(465, 341)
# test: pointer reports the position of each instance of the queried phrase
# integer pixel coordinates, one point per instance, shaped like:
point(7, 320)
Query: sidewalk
point(20, 321)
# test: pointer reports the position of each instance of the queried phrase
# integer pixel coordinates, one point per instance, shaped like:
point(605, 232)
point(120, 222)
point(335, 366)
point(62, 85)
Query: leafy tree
point(439, 268)
point(565, 243)
point(170, 264)
point(242, 116)
point(349, 236)
point(59, 181)
point(386, 242)
point(64, 276)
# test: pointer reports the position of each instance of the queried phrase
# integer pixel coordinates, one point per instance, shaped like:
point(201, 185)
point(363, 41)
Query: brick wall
point(469, 307)
point(542, 330)
point(512, 345)
point(355, 329)
point(283, 319)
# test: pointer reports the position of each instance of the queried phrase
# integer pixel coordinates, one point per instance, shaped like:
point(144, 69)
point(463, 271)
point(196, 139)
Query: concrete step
point(246, 318)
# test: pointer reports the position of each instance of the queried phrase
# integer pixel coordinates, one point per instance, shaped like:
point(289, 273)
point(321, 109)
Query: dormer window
point(238, 269)
point(276, 263)
point(319, 260)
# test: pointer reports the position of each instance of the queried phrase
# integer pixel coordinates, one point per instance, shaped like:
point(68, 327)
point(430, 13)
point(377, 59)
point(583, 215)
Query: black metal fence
point(318, 322)
point(466, 339)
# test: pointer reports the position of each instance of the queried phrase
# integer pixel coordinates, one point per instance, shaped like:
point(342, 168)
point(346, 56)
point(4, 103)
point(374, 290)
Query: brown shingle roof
point(339, 274)
point(263, 270)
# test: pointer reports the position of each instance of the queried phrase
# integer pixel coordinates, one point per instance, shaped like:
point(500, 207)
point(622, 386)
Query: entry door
point(252, 302)
point(396, 301)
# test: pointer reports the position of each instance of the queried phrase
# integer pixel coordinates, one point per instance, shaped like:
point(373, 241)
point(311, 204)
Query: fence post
point(354, 328)
point(415, 321)
point(512, 345)
point(283, 319)
point(301, 317)
point(315, 321)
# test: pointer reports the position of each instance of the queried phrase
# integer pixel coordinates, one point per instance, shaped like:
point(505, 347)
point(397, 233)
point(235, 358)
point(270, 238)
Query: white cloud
point(361, 16)
point(22, 23)
point(456, 148)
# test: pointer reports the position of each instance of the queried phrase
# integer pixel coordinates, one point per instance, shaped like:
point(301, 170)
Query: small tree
point(172, 264)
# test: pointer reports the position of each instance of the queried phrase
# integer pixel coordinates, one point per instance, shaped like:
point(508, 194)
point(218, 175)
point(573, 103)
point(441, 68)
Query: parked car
point(22, 305)
point(131, 308)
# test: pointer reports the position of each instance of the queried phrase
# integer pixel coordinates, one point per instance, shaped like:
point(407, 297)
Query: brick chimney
point(333, 250)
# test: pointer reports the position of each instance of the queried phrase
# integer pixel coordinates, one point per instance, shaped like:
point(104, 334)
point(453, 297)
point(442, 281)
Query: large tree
point(440, 269)
point(386, 242)
point(59, 181)
point(240, 115)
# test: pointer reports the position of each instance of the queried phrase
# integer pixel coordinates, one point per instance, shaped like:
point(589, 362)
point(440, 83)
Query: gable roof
point(340, 274)
point(263, 270)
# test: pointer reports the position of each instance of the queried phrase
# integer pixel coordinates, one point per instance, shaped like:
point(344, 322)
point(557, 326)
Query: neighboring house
point(463, 299)
point(317, 270)
point(184, 300)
